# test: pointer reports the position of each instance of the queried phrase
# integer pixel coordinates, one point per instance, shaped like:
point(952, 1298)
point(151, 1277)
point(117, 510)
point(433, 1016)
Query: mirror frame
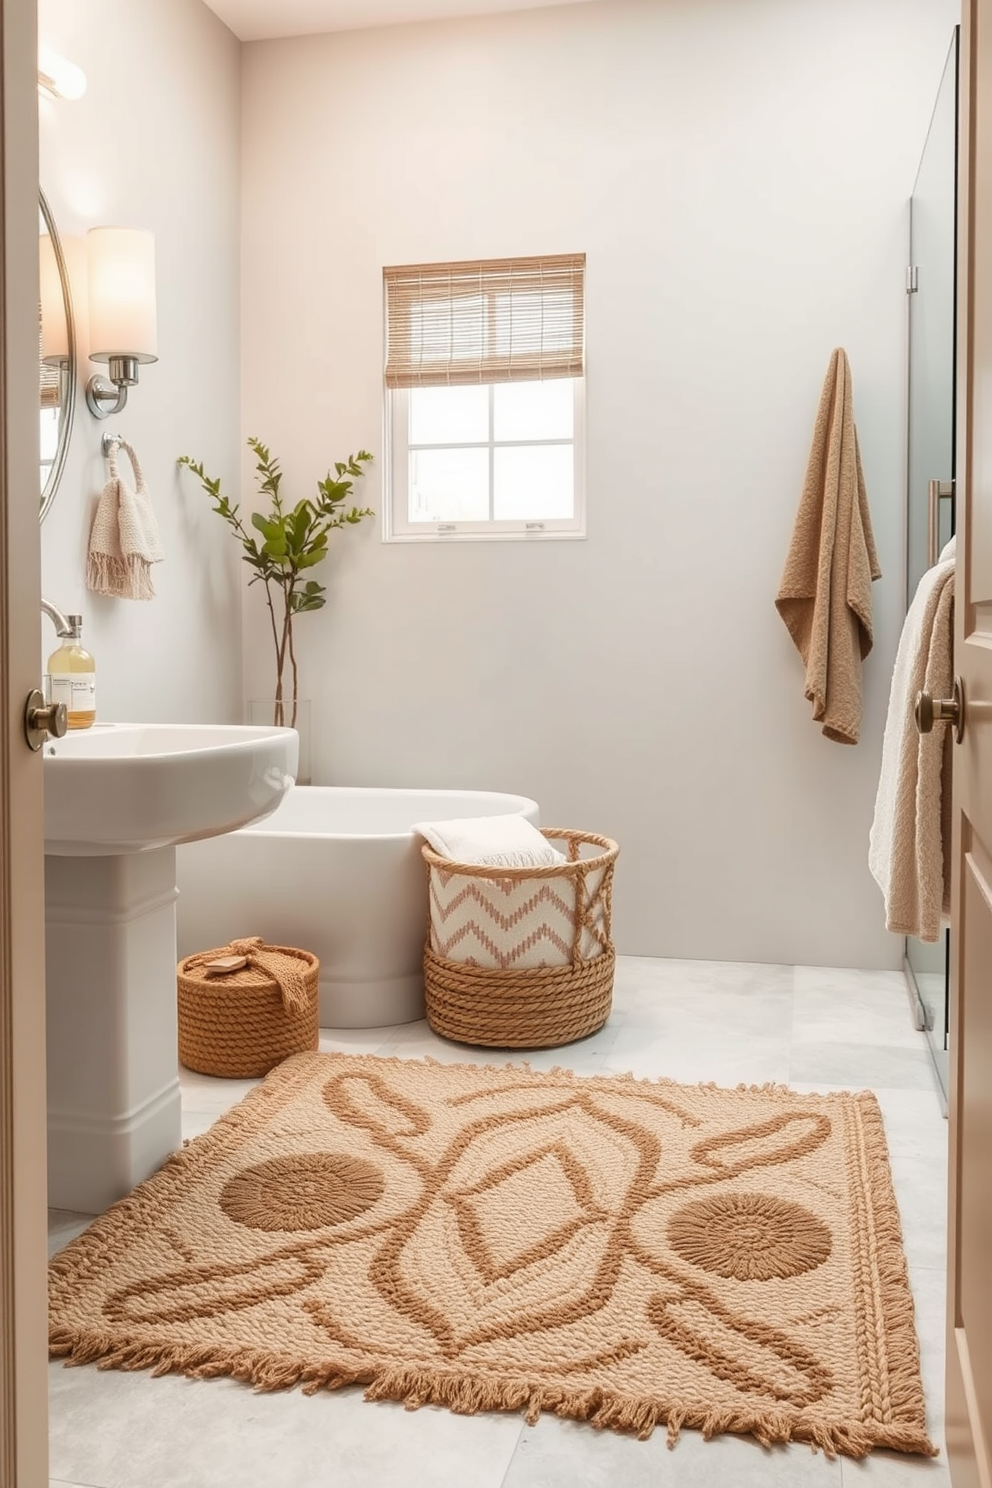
point(69, 407)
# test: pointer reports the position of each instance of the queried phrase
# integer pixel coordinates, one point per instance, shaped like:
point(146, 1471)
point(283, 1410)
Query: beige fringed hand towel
point(825, 594)
point(124, 540)
point(909, 846)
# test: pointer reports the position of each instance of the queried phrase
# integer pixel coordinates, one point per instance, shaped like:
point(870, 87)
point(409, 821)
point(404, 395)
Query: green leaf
point(292, 540)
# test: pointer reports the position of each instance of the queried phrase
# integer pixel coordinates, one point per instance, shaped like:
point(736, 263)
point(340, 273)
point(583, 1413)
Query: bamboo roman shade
point(489, 320)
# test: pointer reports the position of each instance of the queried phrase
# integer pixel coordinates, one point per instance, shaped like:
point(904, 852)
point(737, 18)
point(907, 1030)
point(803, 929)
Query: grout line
point(512, 1458)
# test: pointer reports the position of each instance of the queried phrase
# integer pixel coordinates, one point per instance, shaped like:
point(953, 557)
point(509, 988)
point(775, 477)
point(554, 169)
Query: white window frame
point(397, 526)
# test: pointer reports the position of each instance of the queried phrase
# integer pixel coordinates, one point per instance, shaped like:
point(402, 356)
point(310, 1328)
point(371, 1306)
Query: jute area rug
point(619, 1251)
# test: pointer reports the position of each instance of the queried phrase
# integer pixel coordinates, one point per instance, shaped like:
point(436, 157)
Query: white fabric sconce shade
point(123, 324)
point(121, 277)
point(58, 77)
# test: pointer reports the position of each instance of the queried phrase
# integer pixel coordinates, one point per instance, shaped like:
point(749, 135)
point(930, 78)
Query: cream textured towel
point(825, 594)
point(491, 841)
point(124, 540)
point(909, 846)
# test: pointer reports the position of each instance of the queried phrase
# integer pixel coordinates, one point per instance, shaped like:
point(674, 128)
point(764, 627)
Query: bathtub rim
point(267, 826)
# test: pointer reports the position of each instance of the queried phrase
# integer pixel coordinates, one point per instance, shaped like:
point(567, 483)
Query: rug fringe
point(467, 1394)
point(905, 1397)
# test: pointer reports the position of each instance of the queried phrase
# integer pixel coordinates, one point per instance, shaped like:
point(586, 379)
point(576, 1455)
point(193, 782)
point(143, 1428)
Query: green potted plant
point(290, 542)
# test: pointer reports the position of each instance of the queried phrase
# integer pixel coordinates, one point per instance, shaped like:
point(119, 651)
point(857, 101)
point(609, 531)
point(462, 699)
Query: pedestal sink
point(118, 798)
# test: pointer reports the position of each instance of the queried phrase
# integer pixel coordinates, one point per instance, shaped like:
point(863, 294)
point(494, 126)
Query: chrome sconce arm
point(105, 398)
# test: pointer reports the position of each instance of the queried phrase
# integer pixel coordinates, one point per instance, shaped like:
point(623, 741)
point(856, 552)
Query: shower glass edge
point(933, 212)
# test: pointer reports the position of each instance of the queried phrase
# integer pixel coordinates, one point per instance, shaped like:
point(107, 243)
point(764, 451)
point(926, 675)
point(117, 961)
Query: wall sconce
point(59, 78)
point(54, 351)
point(123, 330)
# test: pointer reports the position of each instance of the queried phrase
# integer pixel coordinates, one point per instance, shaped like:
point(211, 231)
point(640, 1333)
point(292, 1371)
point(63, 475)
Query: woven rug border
point(461, 1391)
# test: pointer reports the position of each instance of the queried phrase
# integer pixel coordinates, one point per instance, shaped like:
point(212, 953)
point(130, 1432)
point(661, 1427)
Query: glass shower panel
point(931, 432)
point(931, 325)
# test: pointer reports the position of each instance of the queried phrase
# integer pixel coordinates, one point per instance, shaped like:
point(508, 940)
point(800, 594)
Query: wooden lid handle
point(223, 964)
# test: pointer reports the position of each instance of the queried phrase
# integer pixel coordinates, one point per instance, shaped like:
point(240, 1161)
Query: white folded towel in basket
point(491, 842)
point(124, 539)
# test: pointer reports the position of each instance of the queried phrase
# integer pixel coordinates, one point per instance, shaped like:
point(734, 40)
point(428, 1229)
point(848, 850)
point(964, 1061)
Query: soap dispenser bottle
point(72, 677)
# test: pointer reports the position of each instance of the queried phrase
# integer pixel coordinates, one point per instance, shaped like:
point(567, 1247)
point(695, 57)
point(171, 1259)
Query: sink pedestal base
point(114, 1111)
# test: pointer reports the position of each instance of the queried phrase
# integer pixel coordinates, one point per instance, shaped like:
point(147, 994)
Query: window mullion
point(492, 452)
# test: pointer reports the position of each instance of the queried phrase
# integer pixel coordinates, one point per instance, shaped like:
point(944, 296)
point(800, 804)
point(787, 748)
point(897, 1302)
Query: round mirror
point(56, 355)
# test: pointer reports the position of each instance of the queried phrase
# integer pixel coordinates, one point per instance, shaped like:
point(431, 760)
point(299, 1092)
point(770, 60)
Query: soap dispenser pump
point(72, 677)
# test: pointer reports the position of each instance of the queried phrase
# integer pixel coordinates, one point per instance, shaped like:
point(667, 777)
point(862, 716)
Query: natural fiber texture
point(521, 958)
point(243, 1023)
point(618, 1251)
point(124, 539)
point(534, 1008)
point(825, 594)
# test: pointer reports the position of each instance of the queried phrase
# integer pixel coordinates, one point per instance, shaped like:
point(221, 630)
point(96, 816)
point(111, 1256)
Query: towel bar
point(938, 491)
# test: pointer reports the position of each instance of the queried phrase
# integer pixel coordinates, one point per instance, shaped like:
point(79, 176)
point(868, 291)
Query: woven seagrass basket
point(243, 1023)
point(509, 1005)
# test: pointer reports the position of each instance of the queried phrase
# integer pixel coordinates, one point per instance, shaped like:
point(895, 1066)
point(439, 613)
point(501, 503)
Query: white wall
point(738, 175)
point(154, 143)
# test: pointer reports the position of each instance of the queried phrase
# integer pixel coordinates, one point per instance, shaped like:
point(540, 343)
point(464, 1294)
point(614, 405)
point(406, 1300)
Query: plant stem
point(296, 678)
point(284, 639)
point(277, 711)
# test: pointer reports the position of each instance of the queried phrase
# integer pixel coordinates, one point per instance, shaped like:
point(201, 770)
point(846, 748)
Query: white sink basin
point(127, 787)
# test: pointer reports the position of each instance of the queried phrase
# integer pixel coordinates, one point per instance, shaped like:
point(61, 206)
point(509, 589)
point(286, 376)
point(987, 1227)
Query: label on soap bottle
point(76, 689)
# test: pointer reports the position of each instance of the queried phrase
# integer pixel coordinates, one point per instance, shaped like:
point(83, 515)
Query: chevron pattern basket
point(521, 958)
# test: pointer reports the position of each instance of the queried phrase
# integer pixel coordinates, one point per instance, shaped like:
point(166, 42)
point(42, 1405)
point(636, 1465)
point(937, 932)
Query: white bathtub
point(337, 871)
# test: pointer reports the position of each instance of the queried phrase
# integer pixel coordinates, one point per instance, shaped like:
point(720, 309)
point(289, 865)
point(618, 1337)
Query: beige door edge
point(23, 1327)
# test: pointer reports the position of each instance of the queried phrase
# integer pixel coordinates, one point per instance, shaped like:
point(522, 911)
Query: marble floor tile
point(206, 1093)
point(849, 983)
point(119, 1430)
point(929, 1287)
point(726, 1059)
point(921, 1193)
point(862, 1066)
point(818, 1017)
point(742, 978)
point(362, 1040)
point(894, 1470)
point(64, 1225)
point(915, 1125)
point(568, 1454)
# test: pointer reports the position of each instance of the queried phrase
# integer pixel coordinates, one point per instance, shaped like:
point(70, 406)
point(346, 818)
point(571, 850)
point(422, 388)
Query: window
point(484, 383)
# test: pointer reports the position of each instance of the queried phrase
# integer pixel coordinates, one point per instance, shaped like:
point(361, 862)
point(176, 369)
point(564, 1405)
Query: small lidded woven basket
point(246, 1007)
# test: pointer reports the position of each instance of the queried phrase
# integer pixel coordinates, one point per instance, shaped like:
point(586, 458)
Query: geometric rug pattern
point(489, 1237)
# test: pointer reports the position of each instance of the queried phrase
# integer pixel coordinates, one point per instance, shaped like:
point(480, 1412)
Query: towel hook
point(109, 441)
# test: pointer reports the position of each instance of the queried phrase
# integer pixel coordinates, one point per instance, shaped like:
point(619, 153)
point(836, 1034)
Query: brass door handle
point(43, 720)
point(930, 710)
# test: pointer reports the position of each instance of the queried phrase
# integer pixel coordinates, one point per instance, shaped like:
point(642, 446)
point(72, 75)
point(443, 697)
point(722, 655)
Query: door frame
point(967, 1449)
point(23, 1182)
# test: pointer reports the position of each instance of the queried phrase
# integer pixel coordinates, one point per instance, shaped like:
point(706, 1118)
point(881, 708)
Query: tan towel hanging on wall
point(825, 594)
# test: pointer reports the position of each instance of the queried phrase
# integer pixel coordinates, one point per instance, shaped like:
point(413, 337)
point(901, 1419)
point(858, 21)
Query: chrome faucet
point(62, 626)
point(44, 719)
